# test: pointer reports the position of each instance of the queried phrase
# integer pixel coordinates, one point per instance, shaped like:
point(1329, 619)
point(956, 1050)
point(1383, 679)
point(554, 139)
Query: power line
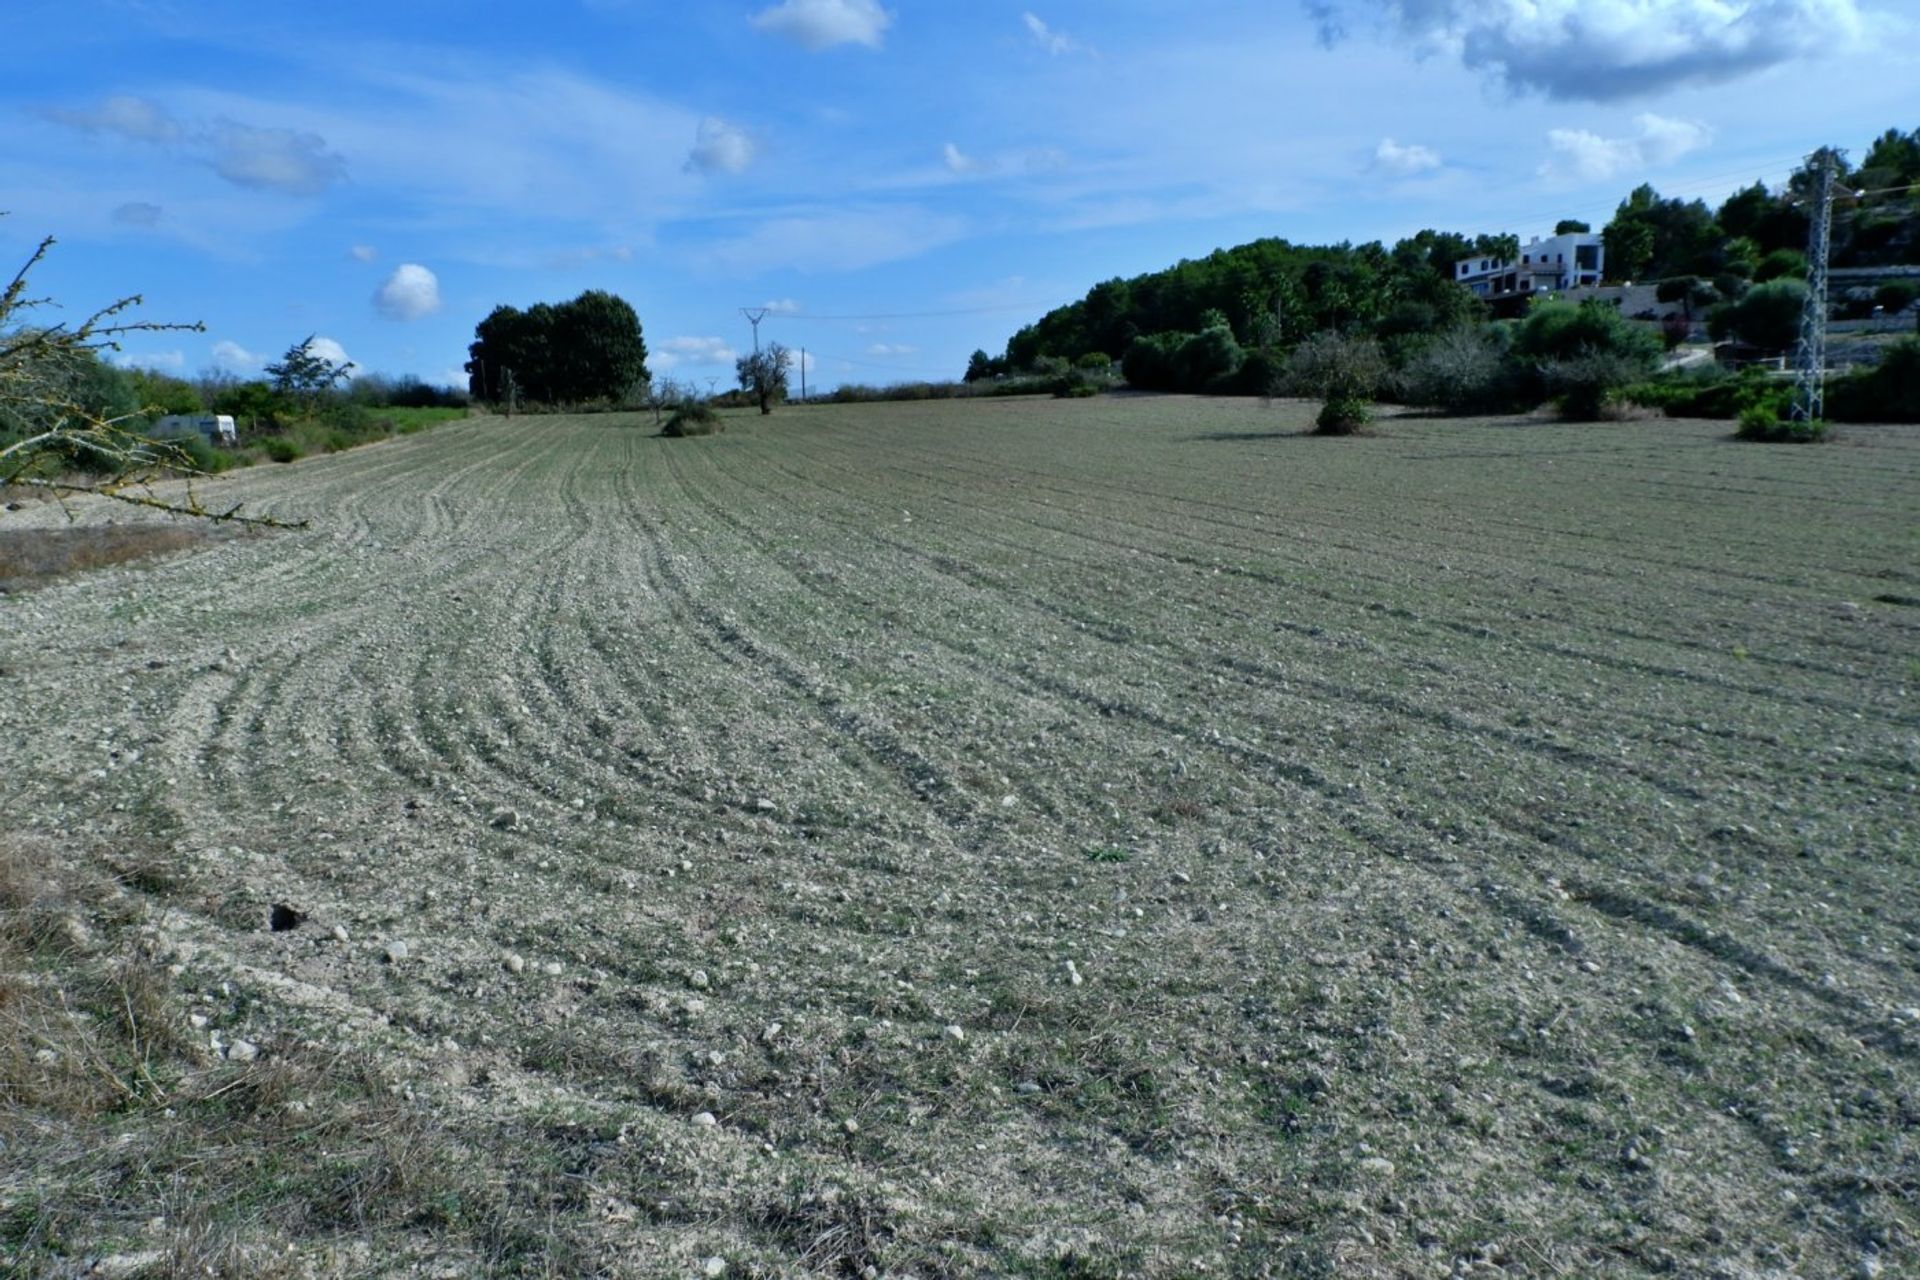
point(905, 315)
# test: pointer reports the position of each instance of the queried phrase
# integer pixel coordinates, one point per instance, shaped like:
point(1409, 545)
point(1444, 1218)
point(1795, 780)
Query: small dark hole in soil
point(284, 918)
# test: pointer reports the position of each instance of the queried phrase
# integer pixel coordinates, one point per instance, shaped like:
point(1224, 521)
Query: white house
point(1575, 260)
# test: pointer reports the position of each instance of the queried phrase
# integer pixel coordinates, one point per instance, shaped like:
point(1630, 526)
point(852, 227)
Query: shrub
point(280, 449)
point(1459, 371)
point(200, 453)
point(1150, 363)
point(1780, 264)
point(1094, 362)
point(1761, 424)
point(1565, 330)
point(1262, 373)
point(1332, 366)
point(1073, 385)
point(1209, 358)
point(693, 419)
point(1583, 386)
point(1888, 393)
point(1343, 416)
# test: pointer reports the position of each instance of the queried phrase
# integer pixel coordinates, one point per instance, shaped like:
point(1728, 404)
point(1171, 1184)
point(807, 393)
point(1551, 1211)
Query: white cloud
point(1404, 161)
point(675, 352)
point(1578, 155)
point(363, 253)
point(1044, 160)
point(137, 213)
point(781, 307)
point(410, 292)
point(821, 24)
point(231, 357)
point(128, 116)
point(719, 147)
point(1600, 50)
point(958, 161)
point(1664, 140)
point(164, 361)
point(243, 154)
point(284, 160)
point(1054, 42)
point(890, 349)
point(838, 239)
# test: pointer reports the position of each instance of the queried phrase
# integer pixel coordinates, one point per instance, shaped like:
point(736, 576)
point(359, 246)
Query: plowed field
point(1120, 837)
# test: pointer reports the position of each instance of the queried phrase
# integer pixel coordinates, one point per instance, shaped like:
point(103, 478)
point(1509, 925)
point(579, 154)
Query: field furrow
point(1122, 837)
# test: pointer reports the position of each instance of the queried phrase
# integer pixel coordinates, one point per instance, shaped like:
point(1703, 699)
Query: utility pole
point(1810, 358)
point(803, 375)
point(754, 316)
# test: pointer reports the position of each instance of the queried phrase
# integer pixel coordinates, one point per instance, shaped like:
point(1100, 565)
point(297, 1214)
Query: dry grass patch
point(32, 557)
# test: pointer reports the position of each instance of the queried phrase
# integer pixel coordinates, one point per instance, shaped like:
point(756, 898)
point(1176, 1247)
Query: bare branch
point(192, 507)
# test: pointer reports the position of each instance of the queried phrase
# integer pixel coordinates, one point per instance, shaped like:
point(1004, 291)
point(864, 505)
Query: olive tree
point(763, 375)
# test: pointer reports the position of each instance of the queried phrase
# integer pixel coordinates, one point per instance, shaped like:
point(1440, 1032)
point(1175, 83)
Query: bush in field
point(1460, 371)
point(1094, 362)
point(280, 449)
point(1074, 385)
point(1343, 416)
point(1583, 386)
point(1345, 372)
point(694, 418)
point(1335, 366)
point(1764, 425)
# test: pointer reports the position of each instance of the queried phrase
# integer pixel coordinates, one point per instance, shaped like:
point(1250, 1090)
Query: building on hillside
point(1572, 261)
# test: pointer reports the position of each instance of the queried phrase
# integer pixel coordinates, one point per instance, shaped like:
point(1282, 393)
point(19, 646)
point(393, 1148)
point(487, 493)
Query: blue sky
point(901, 182)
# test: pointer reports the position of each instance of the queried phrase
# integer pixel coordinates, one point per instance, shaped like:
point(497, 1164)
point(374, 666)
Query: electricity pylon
point(1810, 357)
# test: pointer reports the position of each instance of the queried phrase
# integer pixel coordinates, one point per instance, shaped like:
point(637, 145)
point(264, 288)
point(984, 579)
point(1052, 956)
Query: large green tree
point(574, 352)
point(1651, 238)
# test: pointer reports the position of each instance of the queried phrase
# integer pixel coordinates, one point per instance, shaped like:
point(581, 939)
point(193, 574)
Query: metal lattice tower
point(754, 316)
point(1810, 357)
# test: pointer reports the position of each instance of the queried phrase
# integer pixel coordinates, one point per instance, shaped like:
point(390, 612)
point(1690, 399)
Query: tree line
point(1229, 322)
